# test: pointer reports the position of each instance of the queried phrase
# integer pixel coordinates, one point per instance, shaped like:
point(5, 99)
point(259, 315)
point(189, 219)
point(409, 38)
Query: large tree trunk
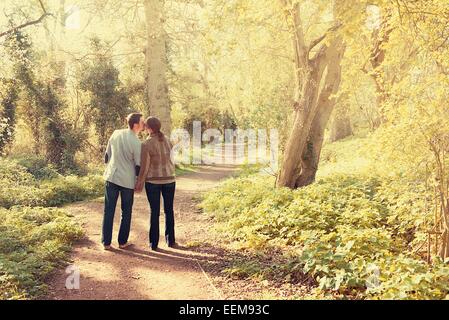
point(311, 155)
point(305, 110)
point(326, 103)
point(157, 64)
point(312, 113)
point(310, 92)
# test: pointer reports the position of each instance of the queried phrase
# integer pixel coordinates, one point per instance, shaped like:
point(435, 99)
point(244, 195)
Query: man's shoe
point(107, 247)
point(173, 245)
point(153, 248)
point(126, 245)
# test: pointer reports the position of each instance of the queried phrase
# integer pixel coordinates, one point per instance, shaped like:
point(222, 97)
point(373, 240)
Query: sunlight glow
point(373, 17)
point(73, 20)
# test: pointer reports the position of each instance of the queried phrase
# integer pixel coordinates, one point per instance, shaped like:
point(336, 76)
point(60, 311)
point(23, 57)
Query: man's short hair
point(133, 118)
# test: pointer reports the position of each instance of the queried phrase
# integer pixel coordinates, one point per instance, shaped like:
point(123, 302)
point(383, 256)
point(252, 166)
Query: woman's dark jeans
point(154, 192)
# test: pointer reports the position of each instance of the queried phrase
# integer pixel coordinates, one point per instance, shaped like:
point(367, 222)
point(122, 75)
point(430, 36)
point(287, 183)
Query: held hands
point(139, 187)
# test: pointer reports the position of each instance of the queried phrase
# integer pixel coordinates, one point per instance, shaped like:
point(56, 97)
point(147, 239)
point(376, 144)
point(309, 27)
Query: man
point(123, 165)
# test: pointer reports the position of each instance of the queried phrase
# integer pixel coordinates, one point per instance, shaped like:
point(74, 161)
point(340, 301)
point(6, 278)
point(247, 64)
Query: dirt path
point(138, 273)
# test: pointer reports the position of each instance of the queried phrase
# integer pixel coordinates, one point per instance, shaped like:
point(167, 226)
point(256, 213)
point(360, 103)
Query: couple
point(131, 166)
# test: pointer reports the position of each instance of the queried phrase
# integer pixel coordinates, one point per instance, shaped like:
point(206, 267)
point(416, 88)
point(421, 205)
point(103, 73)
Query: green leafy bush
point(69, 189)
point(14, 174)
point(33, 242)
point(38, 167)
point(18, 186)
point(338, 230)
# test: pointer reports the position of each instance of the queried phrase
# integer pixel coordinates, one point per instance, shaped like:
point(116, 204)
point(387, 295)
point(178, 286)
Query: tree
point(157, 63)
point(53, 126)
point(109, 103)
point(27, 23)
point(20, 52)
point(379, 38)
point(313, 101)
point(43, 97)
point(341, 124)
point(326, 102)
point(8, 104)
point(415, 109)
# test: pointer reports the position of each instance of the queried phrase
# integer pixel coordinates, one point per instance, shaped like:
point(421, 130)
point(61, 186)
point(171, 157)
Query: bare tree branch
point(315, 42)
point(29, 23)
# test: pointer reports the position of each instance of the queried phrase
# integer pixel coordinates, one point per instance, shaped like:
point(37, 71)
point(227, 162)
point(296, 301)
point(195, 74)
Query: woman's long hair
point(155, 125)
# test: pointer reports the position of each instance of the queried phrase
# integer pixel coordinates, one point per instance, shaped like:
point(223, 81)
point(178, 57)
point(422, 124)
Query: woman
point(158, 174)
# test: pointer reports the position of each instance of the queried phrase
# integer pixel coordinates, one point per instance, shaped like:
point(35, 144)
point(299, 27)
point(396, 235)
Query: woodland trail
point(137, 272)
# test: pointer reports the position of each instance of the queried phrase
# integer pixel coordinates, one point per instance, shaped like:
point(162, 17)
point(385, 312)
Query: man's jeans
point(154, 192)
point(112, 192)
